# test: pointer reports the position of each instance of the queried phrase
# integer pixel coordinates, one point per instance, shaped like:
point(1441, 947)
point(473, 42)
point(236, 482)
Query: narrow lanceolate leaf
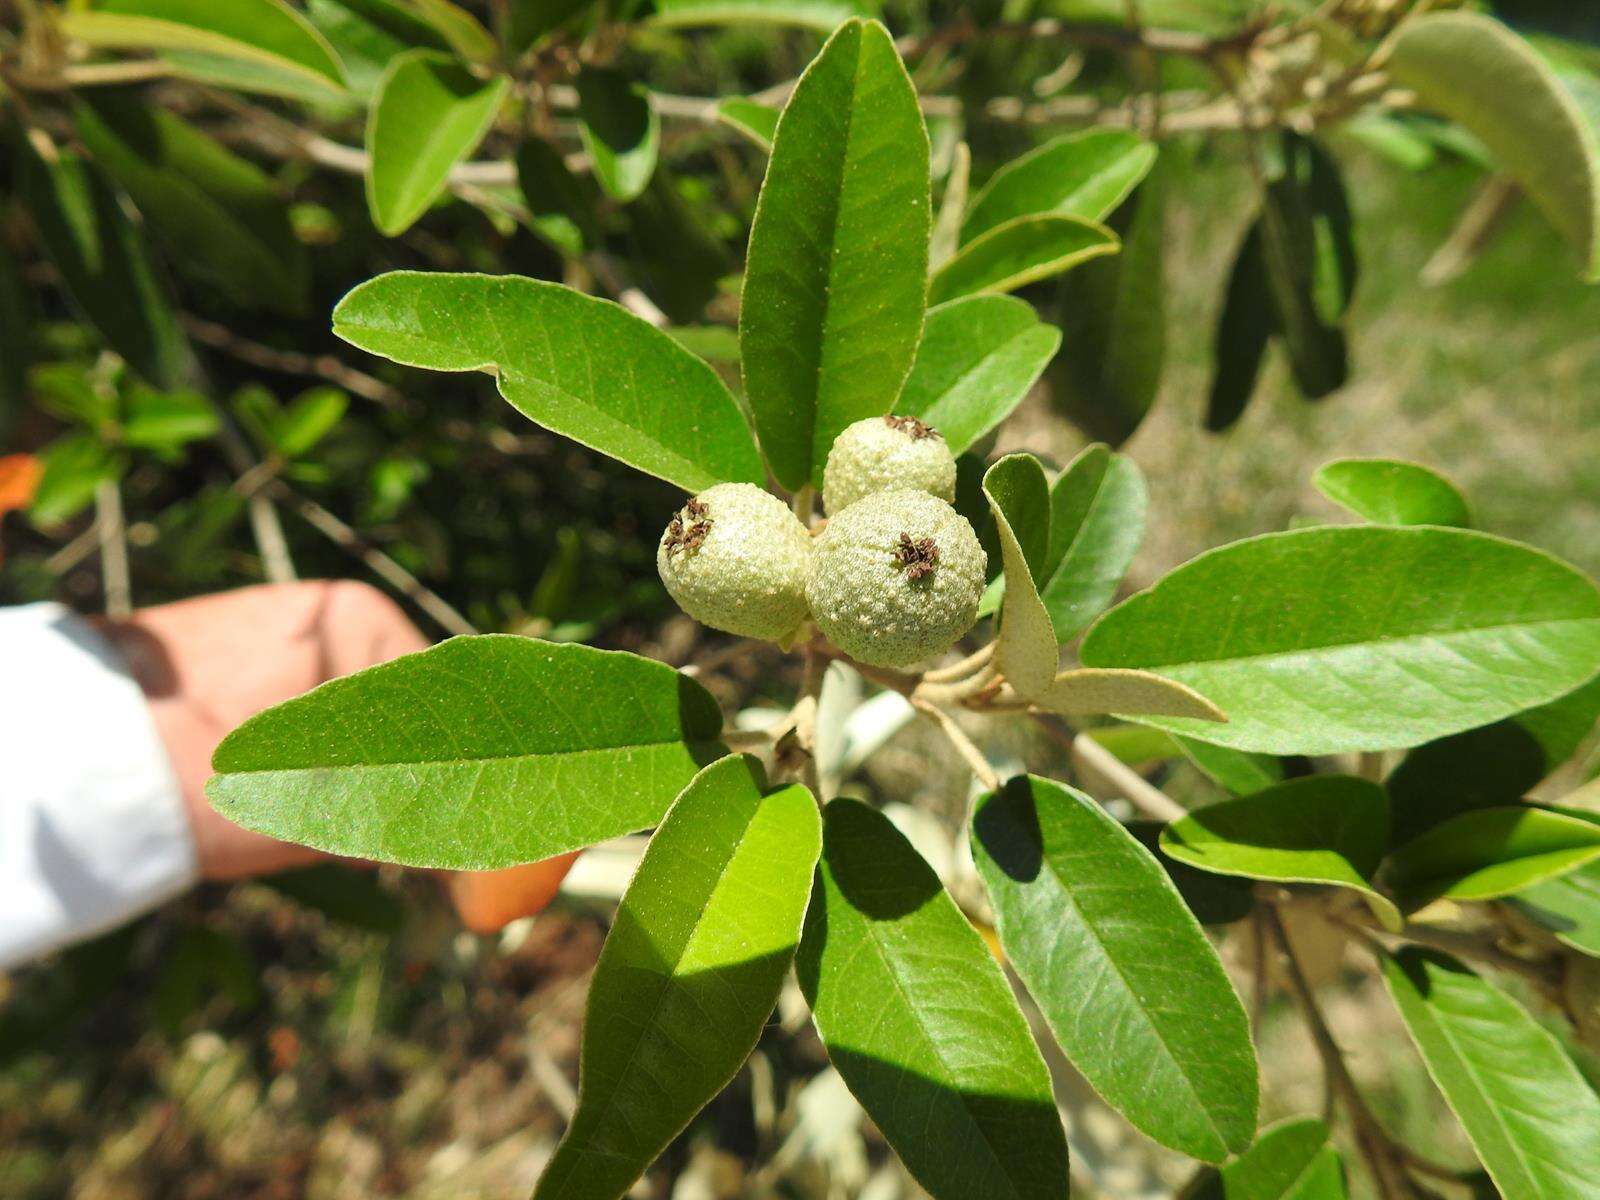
point(1079, 175)
point(463, 32)
point(1097, 511)
point(1290, 1161)
point(918, 1019)
point(822, 15)
point(1089, 691)
point(1327, 829)
point(689, 974)
point(1021, 251)
point(217, 211)
point(1492, 852)
point(836, 280)
point(1325, 640)
point(756, 121)
point(1527, 1111)
point(582, 367)
point(1244, 329)
point(620, 130)
point(1131, 988)
point(1389, 491)
point(482, 752)
point(429, 113)
point(1478, 73)
point(1239, 771)
point(1568, 906)
point(978, 359)
point(102, 261)
point(268, 32)
point(1019, 498)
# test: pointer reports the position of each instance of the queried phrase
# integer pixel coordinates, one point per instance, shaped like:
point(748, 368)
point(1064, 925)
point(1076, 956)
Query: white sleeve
point(92, 824)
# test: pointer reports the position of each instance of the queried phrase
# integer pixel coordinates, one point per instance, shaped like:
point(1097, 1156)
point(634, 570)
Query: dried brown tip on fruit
point(688, 528)
point(916, 557)
point(914, 429)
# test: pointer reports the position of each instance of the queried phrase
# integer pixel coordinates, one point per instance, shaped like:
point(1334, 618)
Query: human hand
point(207, 664)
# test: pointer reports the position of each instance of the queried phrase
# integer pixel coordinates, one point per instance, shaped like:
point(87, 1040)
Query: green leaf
point(1568, 906)
point(1097, 511)
point(582, 367)
point(1113, 315)
point(268, 32)
point(75, 464)
point(1021, 251)
point(462, 31)
point(1290, 1161)
point(1244, 329)
point(215, 210)
point(1091, 691)
point(944, 239)
point(756, 121)
point(620, 129)
point(1528, 1113)
point(1213, 899)
point(1019, 497)
point(677, 256)
point(821, 15)
point(102, 262)
point(1478, 73)
point(166, 420)
point(1241, 773)
point(1489, 853)
point(1126, 979)
point(979, 358)
point(561, 204)
point(918, 1019)
point(367, 34)
point(1085, 174)
point(836, 280)
point(1326, 829)
point(353, 898)
point(482, 752)
point(1332, 639)
point(689, 974)
point(309, 418)
point(429, 113)
point(527, 21)
point(1388, 491)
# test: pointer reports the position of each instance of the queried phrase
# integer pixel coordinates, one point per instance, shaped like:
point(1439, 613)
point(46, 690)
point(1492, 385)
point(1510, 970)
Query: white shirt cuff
point(92, 823)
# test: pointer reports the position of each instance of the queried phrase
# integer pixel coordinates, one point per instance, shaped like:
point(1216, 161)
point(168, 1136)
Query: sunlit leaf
point(1021, 251)
point(1491, 852)
point(620, 130)
point(1019, 497)
point(1084, 174)
point(1389, 491)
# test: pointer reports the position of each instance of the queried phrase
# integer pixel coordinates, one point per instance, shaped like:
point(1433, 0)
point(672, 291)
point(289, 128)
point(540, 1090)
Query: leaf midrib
point(703, 744)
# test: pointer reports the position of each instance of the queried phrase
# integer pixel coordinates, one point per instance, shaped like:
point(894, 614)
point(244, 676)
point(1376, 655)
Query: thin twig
point(1088, 754)
point(960, 670)
point(290, 362)
point(111, 531)
point(75, 551)
point(980, 766)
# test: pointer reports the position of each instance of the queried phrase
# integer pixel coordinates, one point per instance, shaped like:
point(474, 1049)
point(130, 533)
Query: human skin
point(207, 664)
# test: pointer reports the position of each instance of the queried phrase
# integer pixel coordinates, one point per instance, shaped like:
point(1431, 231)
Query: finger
point(488, 901)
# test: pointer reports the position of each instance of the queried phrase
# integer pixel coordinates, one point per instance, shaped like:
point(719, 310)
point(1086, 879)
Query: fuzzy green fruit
point(883, 454)
point(896, 578)
point(734, 558)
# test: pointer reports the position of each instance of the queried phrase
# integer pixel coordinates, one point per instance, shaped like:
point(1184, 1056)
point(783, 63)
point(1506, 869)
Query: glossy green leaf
point(215, 210)
point(1491, 852)
point(1113, 314)
point(1085, 174)
point(1331, 639)
point(1475, 71)
point(102, 262)
point(1119, 967)
point(1213, 899)
point(620, 130)
point(166, 420)
point(479, 753)
point(918, 1019)
point(582, 367)
point(268, 32)
point(1019, 498)
point(1097, 512)
point(821, 15)
point(462, 31)
point(836, 280)
point(367, 34)
point(1326, 829)
point(1527, 1111)
point(1091, 691)
point(1389, 491)
point(1244, 330)
point(756, 121)
point(689, 974)
point(1240, 772)
point(1021, 251)
point(979, 358)
point(1568, 906)
point(75, 464)
point(429, 113)
point(1292, 1160)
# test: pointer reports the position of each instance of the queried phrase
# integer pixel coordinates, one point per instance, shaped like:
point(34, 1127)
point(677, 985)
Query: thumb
point(488, 901)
